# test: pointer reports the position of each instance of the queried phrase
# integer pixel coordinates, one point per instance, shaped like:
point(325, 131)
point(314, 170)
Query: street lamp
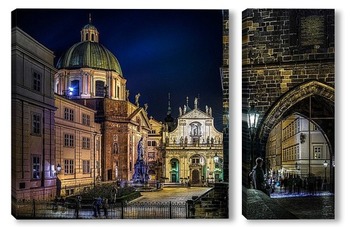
point(59, 168)
point(325, 164)
point(253, 117)
point(216, 158)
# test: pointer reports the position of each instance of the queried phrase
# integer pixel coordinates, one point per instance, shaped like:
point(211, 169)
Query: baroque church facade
point(193, 151)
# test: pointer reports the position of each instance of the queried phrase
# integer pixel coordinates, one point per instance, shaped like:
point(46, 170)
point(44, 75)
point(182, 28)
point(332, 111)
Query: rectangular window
point(68, 166)
point(86, 119)
point(68, 114)
point(36, 122)
point(86, 166)
point(118, 91)
point(86, 143)
point(317, 152)
point(68, 140)
point(36, 167)
point(36, 81)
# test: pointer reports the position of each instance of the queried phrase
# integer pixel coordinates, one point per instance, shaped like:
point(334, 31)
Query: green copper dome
point(87, 54)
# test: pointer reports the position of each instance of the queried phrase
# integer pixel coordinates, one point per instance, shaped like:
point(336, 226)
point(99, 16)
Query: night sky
point(160, 51)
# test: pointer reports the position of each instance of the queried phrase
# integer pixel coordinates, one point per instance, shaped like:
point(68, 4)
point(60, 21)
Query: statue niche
point(196, 129)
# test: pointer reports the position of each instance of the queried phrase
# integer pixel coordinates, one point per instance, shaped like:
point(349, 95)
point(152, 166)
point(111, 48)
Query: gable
point(141, 114)
point(195, 114)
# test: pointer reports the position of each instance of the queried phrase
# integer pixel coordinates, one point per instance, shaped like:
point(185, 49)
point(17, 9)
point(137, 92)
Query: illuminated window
point(68, 140)
point(68, 114)
point(86, 166)
point(36, 167)
point(68, 166)
point(86, 143)
point(86, 119)
point(317, 152)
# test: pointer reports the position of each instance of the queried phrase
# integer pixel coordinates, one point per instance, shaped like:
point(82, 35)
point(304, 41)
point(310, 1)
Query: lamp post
point(253, 117)
point(94, 134)
point(208, 169)
point(325, 164)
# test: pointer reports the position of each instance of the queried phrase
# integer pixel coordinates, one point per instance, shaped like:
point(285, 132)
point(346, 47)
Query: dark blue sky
point(160, 51)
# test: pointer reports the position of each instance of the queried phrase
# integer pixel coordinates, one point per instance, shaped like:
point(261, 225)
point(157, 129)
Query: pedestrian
point(258, 175)
point(77, 206)
point(94, 207)
point(99, 205)
point(105, 207)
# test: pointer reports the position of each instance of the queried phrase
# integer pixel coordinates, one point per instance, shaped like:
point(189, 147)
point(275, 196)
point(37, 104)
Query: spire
point(89, 18)
point(169, 107)
point(187, 101)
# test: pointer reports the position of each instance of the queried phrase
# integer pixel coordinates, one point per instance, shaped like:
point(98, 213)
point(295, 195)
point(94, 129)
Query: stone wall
point(282, 49)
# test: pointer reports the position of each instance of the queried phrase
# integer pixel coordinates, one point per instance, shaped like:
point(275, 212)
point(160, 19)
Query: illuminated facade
point(297, 147)
point(194, 149)
point(78, 147)
point(33, 155)
point(89, 74)
point(154, 150)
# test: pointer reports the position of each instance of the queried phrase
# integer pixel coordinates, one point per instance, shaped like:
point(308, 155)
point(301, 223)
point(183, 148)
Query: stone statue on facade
point(184, 109)
point(206, 109)
point(195, 103)
point(127, 95)
point(137, 99)
point(146, 107)
point(180, 111)
point(140, 149)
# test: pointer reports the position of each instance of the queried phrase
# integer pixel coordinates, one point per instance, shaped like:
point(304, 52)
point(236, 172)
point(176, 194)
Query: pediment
point(140, 113)
point(195, 114)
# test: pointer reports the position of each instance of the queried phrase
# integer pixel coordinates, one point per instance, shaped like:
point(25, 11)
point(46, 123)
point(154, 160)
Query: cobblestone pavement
point(172, 194)
point(315, 207)
point(288, 205)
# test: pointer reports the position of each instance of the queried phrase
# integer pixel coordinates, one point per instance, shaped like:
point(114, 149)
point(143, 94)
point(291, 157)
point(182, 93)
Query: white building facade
point(194, 149)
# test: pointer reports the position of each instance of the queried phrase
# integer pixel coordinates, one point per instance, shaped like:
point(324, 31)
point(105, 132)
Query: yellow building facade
point(297, 147)
point(78, 147)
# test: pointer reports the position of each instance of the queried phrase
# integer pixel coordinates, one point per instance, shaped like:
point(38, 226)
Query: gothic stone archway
point(312, 99)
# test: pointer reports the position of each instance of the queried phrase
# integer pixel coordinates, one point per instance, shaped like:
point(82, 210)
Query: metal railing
point(135, 210)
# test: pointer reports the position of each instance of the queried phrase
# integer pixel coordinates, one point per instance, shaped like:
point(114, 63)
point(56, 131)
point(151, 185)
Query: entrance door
point(195, 177)
point(173, 178)
point(109, 174)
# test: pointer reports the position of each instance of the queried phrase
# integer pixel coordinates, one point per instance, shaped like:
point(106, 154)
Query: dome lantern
point(89, 32)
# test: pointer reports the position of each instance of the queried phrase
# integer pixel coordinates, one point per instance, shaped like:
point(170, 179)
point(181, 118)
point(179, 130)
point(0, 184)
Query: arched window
point(75, 85)
point(100, 88)
point(86, 36)
point(92, 37)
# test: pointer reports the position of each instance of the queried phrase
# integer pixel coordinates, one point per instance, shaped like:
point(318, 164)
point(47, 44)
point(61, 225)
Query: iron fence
point(135, 210)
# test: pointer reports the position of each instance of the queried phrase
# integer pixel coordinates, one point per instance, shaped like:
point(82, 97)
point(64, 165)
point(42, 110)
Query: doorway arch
point(312, 99)
point(295, 101)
